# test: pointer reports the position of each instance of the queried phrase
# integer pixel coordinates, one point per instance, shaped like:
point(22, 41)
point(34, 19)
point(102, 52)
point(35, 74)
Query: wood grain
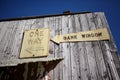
point(96, 60)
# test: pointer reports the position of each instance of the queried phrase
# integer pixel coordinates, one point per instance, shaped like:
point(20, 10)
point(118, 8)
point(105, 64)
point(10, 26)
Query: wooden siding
point(96, 60)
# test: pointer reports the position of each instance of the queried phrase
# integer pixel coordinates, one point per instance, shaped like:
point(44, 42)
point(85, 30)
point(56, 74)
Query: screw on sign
point(35, 43)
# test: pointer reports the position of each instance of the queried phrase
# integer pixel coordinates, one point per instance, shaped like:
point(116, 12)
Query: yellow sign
point(35, 43)
point(93, 35)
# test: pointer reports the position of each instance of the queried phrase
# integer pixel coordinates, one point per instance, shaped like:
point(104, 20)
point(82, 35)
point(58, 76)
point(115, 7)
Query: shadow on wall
point(28, 71)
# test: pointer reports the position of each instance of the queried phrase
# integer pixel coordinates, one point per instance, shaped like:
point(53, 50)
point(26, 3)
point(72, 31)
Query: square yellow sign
point(35, 43)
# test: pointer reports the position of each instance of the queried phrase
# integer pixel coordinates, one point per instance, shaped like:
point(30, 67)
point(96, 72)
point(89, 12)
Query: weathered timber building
point(85, 60)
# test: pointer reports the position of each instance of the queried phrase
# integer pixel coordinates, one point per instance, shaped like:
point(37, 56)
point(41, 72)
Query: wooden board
point(86, 60)
point(35, 43)
point(94, 35)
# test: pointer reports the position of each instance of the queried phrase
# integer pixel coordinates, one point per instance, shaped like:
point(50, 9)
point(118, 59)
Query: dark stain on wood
point(98, 60)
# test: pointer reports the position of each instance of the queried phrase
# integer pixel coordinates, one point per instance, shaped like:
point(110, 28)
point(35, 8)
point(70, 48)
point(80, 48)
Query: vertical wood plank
point(112, 45)
point(100, 63)
point(60, 52)
point(74, 50)
point(51, 24)
point(106, 50)
point(57, 71)
point(79, 50)
point(66, 50)
point(90, 58)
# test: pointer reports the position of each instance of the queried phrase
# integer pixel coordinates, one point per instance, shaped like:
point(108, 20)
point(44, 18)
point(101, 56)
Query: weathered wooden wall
point(96, 60)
